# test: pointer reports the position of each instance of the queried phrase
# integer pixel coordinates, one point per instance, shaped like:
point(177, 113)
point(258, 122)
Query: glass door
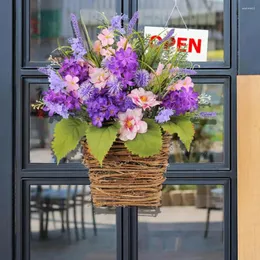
point(55, 216)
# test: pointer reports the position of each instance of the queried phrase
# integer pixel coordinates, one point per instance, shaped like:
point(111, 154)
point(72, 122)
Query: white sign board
point(196, 41)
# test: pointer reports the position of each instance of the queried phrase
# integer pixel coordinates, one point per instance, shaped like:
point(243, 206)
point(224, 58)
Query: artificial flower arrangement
point(122, 97)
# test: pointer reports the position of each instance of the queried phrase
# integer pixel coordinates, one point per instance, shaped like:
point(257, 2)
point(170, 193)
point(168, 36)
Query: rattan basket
point(126, 179)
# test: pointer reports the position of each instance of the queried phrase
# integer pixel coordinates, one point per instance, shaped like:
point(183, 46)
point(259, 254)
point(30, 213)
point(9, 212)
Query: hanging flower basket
point(126, 179)
point(122, 98)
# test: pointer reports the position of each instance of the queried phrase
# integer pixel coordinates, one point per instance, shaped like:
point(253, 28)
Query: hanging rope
point(175, 6)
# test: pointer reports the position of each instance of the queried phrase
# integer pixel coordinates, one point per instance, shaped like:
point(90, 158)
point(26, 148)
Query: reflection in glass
point(189, 226)
point(198, 14)
point(64, 225)
point(207, 146)
point(50, 22)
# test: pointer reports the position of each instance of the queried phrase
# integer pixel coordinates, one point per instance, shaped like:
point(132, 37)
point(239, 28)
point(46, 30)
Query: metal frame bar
point(6, 131)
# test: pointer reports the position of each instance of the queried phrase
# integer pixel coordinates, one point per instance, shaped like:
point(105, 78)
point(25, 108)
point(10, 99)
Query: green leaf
point(100, 140)
point(183, 128)
point(67, 134)
point(147, 144)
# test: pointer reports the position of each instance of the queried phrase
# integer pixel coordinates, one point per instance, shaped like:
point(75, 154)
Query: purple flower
point(115, 86)
point(45, 70)
point(124, 65)
point(97, 120)
point(142, 78)
point(101, 106)
point(75, 68)
point(116, 23)
point(111, 111)
point(78, 48)
point(181, 101)
point(60, 103)
point(85, 91)
point(56, 82)
point(75, 26)
point(132, 23)
point(167, 37)
point(164, 116)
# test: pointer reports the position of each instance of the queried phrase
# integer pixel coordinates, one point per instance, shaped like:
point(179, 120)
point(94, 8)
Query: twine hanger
point(176, 7)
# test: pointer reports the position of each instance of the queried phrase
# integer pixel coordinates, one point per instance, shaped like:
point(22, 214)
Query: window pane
point(197, 14)
point(50, 22)
point(207, 147)
point(208, 143)
point(64, 226)
point(189, 226)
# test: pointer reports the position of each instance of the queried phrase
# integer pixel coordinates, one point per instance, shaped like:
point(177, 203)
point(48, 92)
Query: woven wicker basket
point(126, 179)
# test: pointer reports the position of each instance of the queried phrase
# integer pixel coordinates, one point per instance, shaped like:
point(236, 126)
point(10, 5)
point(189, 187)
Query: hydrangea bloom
point(164, 116)
point(101, 106)
point(60, 103)
point(124, 65)
point(181, 101)
point(75, 68)
point(131, 124)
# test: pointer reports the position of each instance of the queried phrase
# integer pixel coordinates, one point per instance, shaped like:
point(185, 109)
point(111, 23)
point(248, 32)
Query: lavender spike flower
point(167, 37)
point(116, 23)
point(78, 48)
point(132, 23)
point(75, 25)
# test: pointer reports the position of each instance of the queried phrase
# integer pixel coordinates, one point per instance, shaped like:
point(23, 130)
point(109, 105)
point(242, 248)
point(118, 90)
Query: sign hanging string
point(177, 8)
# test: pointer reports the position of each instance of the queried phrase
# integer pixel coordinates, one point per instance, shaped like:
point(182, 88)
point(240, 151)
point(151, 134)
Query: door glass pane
point(208, 143)
point(50, 22)
point(197, 14)
point(189, 226)
point(207, 147)
point(64, 225)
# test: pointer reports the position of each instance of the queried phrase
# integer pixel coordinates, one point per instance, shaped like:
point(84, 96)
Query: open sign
point(195, 41)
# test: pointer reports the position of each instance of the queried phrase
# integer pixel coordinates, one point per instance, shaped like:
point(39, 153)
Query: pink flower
point(97, 47)
point(159, 69)
point(72, 83)
point(106, 37)
point(186, 83)
point(123, 44)
point(107, 52)
point(143, 99)
point(131, 124)
point(98, 77)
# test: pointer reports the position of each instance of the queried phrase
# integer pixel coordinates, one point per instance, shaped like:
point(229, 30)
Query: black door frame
point(14, 179)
